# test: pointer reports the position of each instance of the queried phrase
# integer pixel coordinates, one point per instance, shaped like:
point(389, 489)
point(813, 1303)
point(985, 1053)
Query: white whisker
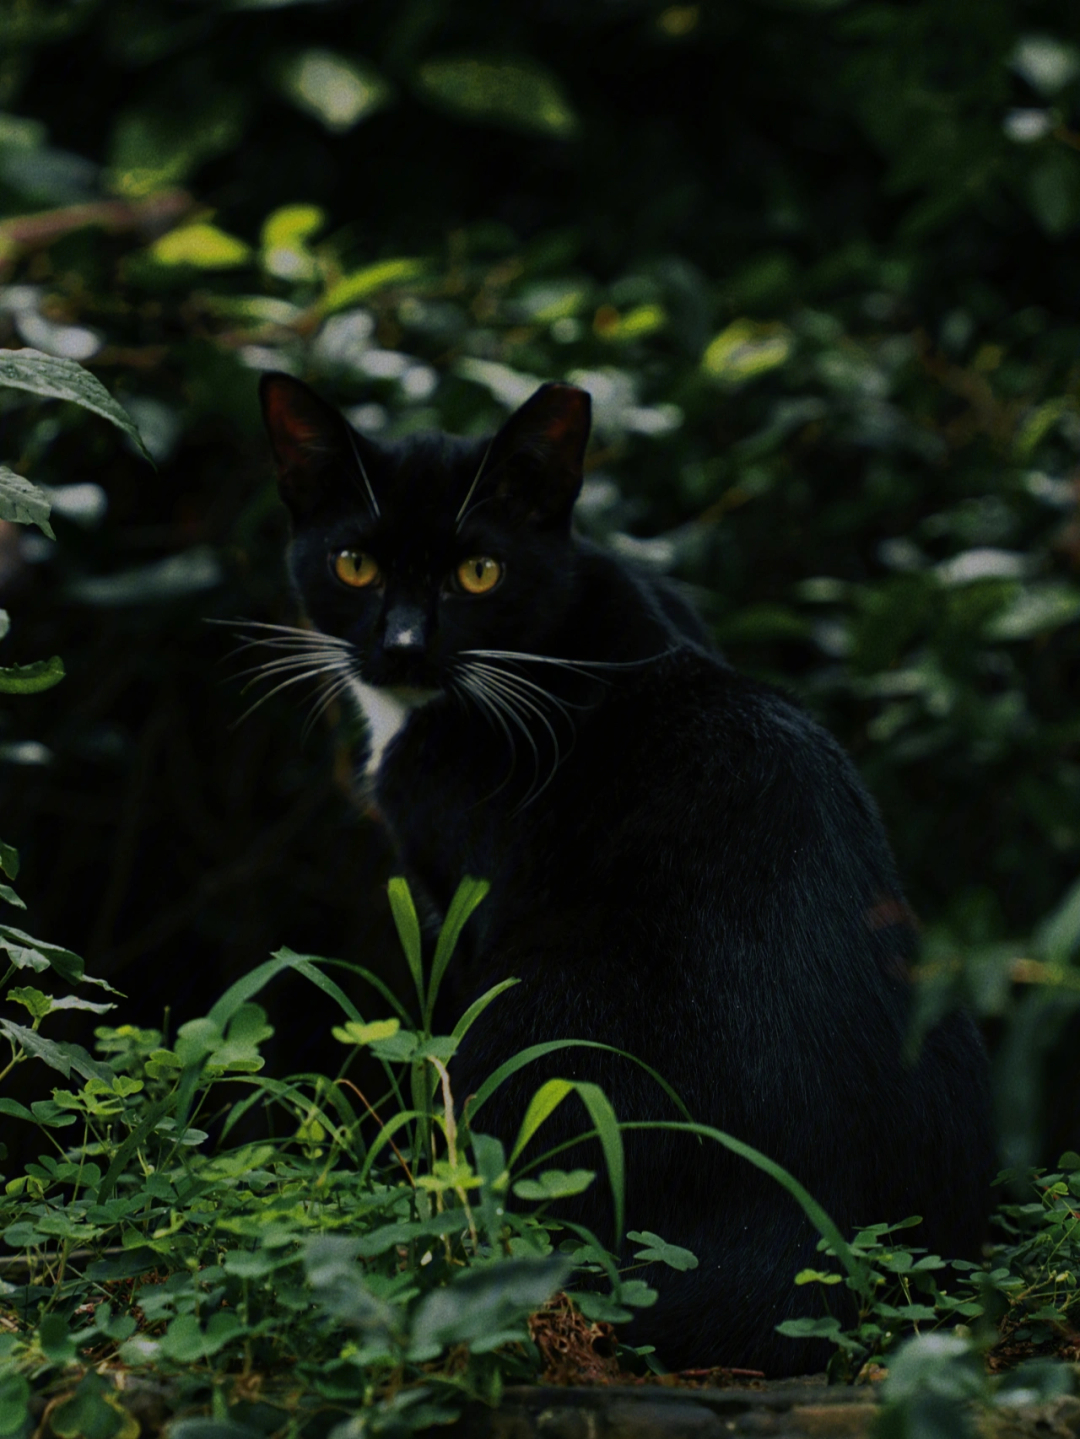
point(584, 665)
point(318, 661)
point(475, 481)
point(323, 702)
point(376, 512)
point(284, 685)
point(491, 714)
point(509, 696)
point(521, 683)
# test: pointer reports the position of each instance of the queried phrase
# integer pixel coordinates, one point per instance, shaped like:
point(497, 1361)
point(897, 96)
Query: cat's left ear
point(313, 446)
point(537, 458)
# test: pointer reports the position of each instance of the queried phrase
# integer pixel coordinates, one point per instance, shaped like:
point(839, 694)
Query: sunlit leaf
point(554, 1184)
point(285, 236)
point(519, 94)
point(1046, 63)
point(746, 349)
point(352, 1033)
point(1035, 610)
point(201, 245)
point(31, 679)
point(361, 283)
point(337, 90)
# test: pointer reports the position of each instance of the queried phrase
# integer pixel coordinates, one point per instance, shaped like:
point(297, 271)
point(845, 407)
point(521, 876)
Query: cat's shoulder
point(724, 718)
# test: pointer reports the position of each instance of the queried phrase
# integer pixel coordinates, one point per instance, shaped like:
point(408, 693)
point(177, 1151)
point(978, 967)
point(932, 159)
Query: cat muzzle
point(405, 632)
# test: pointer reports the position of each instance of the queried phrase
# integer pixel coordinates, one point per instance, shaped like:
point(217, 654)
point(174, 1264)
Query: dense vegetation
point(816, 262)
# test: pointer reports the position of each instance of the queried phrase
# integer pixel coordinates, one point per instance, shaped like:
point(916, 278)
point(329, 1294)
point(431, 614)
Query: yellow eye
point(355, 568)
point(478, 574)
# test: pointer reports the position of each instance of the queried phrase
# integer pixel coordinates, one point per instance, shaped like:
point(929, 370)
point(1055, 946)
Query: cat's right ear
point(310, 441)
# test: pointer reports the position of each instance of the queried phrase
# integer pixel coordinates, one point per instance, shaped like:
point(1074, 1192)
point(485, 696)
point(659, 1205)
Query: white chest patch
point(387, 714)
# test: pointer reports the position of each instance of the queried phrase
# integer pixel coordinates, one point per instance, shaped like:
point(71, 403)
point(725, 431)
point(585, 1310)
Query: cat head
point(413, 552)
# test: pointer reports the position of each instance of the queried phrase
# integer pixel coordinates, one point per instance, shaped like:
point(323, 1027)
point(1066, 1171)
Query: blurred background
point(816, 260)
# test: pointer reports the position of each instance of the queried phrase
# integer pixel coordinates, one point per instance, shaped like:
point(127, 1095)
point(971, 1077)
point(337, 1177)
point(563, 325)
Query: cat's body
point(682, 864)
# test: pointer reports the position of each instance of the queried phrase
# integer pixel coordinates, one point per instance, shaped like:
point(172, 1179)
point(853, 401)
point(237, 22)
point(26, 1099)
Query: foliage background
point(817, 262)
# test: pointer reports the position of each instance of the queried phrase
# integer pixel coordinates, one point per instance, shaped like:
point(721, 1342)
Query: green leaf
point(37, 1046)
point(543, 1104)
point(366, 1033)
point(250, 985)
point(637, 1293)
point(23, 502)
point(58, 379)
point(87, 1414)
point(6, 892)
point(14, 1403)
point(746, 349)
point(56, 1340)
point(71, 1001)
point(408, 928)
point(1035, 610)
point(183, 1340)
point(469, 893)
point(476, 1009)
point(202, 246)
point(64, 1057)
point(362, 284)
point(517, 94)
point(555, 1184)
point(660, 1251)
point(825, 1328)
point(15, 1109)
point(34, 1000)
point(31, 679)
point(552, 1046)
point(816, 1276)
point(822, 1222)
point(1059, 935)
point(28, 952)
point(9, 861)
point(212, 1428)
point(485, 1306)
point(337, 91)
point(607, 1127)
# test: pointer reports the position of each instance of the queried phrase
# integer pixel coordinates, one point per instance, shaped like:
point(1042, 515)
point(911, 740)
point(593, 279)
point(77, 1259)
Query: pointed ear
point(310, 441)
point(537, 458)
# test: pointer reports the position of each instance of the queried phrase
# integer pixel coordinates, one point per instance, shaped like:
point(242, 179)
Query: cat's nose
point(405, 630)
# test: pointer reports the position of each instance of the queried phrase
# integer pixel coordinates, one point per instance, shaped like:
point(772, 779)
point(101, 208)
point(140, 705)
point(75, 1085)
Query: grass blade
point(468, 895)
point(537, 1051)
point(478, 1006)
point(408, 928)
point(250, 984)
point(817, 1216)
point(543, 1103)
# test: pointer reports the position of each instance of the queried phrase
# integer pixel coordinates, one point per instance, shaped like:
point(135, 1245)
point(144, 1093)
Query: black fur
point(684, 865)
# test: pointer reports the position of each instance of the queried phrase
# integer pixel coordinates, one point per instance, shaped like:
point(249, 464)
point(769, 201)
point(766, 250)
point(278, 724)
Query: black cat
point(682, 863)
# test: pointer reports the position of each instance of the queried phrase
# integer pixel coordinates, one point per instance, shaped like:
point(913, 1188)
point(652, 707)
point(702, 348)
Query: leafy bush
point(341, 1263)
